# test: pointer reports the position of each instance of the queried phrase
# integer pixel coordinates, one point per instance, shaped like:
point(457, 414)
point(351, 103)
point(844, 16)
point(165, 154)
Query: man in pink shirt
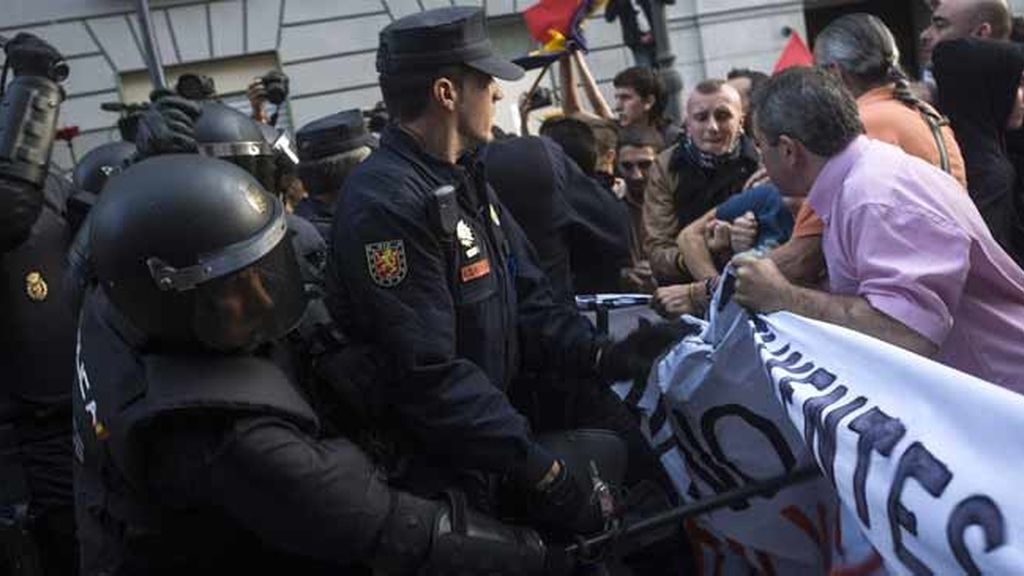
point(910, 260)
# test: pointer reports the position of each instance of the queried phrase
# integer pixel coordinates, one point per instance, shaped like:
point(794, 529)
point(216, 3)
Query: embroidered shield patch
point(386, 262)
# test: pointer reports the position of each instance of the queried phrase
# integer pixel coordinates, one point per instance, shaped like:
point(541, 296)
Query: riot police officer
point(193, 453)
point(91, 173)
point(222, 132)
point(428, 267)
point(36, 326)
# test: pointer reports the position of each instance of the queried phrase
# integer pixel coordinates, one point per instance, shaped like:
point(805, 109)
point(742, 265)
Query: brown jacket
point(701, 190)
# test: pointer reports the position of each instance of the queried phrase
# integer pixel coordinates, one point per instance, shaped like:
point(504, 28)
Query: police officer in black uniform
point(36, 325)
point(428, 267)
point(91, 173)
point(223, 132)
point(329, 148)
point(193, 453)
point(579, 229)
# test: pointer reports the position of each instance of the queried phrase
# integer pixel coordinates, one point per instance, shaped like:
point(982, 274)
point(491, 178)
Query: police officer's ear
point(445, 92)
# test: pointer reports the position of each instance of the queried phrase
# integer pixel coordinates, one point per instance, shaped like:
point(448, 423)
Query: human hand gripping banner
point(929, 459)
point(925, 457)
point(708, 410)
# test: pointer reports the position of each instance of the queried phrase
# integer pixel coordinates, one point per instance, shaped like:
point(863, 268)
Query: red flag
point(548, 15)
point(795, 53)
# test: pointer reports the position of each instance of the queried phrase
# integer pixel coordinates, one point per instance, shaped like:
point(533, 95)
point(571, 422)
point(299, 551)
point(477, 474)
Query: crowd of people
point(358, 347)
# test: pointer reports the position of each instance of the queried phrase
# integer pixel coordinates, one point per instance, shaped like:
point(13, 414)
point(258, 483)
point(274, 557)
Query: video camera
point(195, 87)
point(276, 85)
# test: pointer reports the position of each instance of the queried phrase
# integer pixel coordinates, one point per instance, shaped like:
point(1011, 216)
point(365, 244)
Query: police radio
point(445, 209)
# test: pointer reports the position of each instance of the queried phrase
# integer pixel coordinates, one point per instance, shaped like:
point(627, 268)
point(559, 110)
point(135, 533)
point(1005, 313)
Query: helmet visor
point(252, 306)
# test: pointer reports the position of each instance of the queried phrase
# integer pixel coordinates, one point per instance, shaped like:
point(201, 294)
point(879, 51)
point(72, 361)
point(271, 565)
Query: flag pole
point(536, 82)
point(152, 55)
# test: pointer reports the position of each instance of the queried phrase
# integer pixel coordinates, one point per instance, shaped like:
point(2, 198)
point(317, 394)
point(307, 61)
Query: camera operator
point(272, 87)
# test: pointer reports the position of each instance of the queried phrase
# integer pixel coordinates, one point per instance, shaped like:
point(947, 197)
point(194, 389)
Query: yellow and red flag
point(555, 22)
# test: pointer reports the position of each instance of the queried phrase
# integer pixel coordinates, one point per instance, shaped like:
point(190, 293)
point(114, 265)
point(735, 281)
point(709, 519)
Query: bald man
point(710, 163)
point(952, 19)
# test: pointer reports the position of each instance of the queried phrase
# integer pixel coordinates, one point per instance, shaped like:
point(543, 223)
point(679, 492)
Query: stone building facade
point(327, 46)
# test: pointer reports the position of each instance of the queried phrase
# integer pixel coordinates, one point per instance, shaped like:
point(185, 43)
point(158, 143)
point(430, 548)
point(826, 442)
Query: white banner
point(927, 458)
point(709, 412)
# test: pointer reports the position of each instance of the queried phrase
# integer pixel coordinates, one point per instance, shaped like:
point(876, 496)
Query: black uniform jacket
point(455, 309)
point(579, 228)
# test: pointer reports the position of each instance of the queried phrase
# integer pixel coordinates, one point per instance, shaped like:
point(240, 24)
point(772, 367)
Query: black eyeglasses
point(628, 166)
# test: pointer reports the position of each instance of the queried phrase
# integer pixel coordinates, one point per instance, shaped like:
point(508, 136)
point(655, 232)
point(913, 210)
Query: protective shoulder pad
point(245, 383)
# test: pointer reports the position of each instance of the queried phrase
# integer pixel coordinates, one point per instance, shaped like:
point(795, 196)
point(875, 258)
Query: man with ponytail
point(861, 51)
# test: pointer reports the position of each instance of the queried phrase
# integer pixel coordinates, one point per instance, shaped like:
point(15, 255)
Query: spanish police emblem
point(36, 287)
point(386, 262)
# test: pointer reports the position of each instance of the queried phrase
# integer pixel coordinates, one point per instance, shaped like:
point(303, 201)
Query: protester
point(910, 260)
point(746, 81)
point(640, 98)
point(981, 88)
point(635, 19)
point(711, 162)
point(638, 150)
point(606, 137)
point(571, 104)
point(953, 19)
point(861, 50)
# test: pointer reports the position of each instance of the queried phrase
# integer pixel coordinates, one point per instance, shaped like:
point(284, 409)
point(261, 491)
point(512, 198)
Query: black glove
point(168, 126)
point(568, 505)
point(633, 357)
point(467, 542)
point(28, 55)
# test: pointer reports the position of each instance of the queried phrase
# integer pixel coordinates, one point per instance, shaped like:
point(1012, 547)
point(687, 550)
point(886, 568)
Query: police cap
point(335, 134)
point(441, 37)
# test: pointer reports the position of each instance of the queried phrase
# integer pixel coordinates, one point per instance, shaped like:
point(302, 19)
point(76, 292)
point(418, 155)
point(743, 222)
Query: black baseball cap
point(440, 37)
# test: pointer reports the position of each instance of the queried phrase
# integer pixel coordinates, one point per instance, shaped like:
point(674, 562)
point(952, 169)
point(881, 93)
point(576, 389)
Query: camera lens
point(276, 85)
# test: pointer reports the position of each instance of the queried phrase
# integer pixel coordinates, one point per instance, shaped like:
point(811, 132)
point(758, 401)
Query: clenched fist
point(760, 285)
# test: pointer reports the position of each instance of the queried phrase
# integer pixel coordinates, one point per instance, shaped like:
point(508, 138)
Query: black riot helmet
point(225, 133)
point(193, 252)
point(100, 163)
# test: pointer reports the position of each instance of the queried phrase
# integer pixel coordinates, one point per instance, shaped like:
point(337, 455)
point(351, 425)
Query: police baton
point(585, 547)
point(153, 62)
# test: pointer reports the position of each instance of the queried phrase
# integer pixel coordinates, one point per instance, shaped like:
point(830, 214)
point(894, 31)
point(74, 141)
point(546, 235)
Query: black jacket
point(978, 81)
point(578, 227)
point(455, 309)
point(700, 189)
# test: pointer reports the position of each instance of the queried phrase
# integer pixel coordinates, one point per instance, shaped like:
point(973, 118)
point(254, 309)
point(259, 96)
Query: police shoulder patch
point(386, 262)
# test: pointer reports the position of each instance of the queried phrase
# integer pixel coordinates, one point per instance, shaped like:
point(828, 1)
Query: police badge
point(386, 262)
point(36, 287)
